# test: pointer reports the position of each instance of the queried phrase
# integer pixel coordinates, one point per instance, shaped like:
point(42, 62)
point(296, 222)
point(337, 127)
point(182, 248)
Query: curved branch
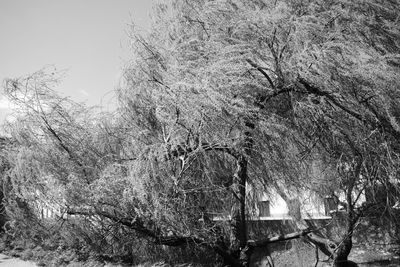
point(138, 225)
point(261, 70)
point(171, 241)
point(314, 90)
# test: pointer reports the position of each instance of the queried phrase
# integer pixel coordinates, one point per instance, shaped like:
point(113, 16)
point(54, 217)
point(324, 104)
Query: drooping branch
point(262, 71)
point(317, 91)
point(138, 225)
point(381, 120)
point(71, 155)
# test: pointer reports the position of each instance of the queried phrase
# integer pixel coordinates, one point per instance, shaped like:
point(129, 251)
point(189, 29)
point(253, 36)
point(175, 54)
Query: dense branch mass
point(224, 104)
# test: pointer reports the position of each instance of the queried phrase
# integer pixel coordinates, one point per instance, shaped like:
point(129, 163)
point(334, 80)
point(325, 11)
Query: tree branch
point(181, 150)
point(138, 225)
point(314, 90)
point(261, 70)
point(266, 242)
point(327, 246)
point(172, 241)
point(71, 155)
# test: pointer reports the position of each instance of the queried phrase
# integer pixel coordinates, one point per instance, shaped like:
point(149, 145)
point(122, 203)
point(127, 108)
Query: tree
point(79, 161)
point(59, 149)
point(310, 68)
point(4, 166)
point(225, 99)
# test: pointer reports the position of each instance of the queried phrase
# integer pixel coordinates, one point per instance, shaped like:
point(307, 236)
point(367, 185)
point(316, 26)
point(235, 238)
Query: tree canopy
point(222, 102)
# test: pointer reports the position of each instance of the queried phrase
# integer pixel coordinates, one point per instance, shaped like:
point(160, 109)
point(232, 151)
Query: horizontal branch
point(172, 240)
point(324, 244)
point(265, 242)
point(137, 225)
point(182, 150)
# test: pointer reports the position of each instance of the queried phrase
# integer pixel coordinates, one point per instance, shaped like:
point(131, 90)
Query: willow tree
point(194, 82)
point(240, 76)
point(60, 150)
point(4, 167)
point(223, 100)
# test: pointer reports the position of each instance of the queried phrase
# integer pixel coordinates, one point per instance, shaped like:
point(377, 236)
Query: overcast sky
point(86, 37)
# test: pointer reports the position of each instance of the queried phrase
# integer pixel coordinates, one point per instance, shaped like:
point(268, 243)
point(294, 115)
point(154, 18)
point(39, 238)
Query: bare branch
point(254, 65)
point(266, 242)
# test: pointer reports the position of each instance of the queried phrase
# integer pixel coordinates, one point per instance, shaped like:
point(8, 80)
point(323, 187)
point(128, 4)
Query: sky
point(87, 38)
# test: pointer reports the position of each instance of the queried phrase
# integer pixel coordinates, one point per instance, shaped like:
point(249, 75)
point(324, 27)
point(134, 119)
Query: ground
point(7, 261)
point(303, 255)
point(293, 253)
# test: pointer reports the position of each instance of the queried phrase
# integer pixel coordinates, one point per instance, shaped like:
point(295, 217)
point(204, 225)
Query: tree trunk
point(342, 254)
point(344, 248)
point(238, 237)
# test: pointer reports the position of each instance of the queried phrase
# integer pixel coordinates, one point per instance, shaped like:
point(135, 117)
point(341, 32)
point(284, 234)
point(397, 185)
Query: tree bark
point(344, 248)
point(238, 237)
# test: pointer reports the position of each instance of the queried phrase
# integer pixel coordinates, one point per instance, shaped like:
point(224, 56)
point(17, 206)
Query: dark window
point(263, 207)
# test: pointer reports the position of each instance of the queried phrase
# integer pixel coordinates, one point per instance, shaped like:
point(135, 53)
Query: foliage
point(223, 101)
